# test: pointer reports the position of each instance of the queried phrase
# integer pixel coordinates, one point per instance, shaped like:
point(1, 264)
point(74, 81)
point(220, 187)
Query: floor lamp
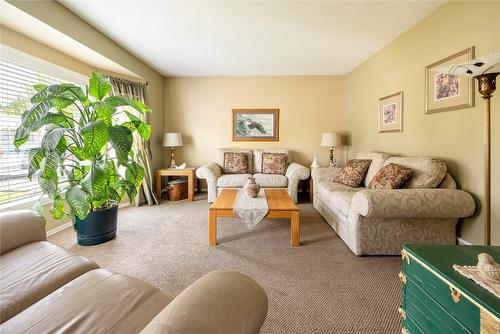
point(485, 70)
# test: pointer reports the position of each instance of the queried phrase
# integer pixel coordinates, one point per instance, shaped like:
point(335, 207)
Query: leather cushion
point(271, 180)
point(31, 272)
point(97, 302)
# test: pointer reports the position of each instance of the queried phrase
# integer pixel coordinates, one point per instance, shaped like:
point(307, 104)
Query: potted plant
point(85, 158)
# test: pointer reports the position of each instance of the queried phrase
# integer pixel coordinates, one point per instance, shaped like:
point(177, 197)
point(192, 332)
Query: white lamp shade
point(172, 139)
point(481, 65)
point(330, 139)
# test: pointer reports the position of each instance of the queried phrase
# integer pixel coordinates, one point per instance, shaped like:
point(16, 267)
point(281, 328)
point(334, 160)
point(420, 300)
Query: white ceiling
point(230, 38)
point(21, 22)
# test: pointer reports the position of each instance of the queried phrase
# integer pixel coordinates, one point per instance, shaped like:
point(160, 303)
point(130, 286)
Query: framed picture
point(444, 92)
point(256, 124)
point(390, 113)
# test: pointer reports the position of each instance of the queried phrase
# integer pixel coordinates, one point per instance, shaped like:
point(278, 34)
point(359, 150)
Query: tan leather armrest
point(220, 302)
point(18, 228)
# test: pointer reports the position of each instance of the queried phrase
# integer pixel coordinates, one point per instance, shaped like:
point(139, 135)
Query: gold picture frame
point(390, 113)
point(256, 125)
point(445, 92)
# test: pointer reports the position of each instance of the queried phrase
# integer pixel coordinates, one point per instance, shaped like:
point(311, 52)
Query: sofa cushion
point(274, 163)
point(219, 156)
point(429, 172)
point(232, 180)
point(31, 272)
point(336, 195)
point(353, 173)
point(391, 176)
point(257, 157)
point(99, 301)
point(378, 159)
point(235, 163)
point(271, 180)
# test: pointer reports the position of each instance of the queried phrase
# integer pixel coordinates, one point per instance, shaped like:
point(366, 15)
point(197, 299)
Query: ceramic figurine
point(488, 268)
point(315, 163)
point(251, 188)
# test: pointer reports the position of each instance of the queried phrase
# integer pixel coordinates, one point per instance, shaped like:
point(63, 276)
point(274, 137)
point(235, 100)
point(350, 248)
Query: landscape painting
point(255, 124)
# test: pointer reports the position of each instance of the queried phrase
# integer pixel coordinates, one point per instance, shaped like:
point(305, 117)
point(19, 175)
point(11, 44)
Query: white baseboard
point(463, 242)
point(70, 223)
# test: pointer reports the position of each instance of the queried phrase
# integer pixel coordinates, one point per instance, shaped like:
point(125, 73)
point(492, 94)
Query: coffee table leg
point(295, 229)
point(212, 227)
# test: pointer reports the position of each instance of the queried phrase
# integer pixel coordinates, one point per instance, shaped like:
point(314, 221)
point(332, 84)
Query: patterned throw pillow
point(235, 163)
point(353, 173)
point(391, 176)
point(273, 163)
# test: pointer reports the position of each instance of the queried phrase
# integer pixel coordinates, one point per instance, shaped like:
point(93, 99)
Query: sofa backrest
point(378, 159)
point(429, 172)
point(257, 157)
point(448, 182)
point(219, 156)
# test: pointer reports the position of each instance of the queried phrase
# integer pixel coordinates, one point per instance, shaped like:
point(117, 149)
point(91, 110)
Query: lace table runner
point(250, 210)
point(472, 273)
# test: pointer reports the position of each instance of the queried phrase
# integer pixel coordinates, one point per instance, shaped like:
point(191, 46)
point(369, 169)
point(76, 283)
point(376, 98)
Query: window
point(18, 73)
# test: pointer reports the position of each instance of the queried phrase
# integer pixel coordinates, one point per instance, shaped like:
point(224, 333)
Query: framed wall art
point(390, 113)
point(256, 124)
point(445, 92)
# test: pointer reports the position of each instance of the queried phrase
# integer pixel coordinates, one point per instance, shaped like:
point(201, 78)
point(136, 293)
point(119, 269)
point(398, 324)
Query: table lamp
point(331, 140)
point(485, 69)
point(172, 140)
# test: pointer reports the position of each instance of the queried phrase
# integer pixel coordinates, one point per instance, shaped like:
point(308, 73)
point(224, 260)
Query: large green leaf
point(95, 182)
point(77, 201)
point(95, 136)
point(21, 136)
point(104, 112)
point(134, 173)
point(112, 172)
point(30, 120)
point(52, 138)
point(99, 86)
point(57, 209)
point(49, 186)
point(121, 139)
point(121, 101)
point(36, 156)
point(143, 129)
point(49, 165)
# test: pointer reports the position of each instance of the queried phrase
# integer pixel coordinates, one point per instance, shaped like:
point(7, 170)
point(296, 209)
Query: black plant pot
point(97, 227)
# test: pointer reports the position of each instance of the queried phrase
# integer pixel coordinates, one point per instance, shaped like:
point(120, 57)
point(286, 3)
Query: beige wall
point(200, 108)
point(455, 136)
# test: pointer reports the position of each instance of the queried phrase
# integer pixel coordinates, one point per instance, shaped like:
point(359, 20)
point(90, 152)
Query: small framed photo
point(390, 113)
point(445, 92)
point(256, 124)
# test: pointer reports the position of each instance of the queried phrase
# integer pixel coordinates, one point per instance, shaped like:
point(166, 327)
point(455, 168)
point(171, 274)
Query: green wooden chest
point(438, 299)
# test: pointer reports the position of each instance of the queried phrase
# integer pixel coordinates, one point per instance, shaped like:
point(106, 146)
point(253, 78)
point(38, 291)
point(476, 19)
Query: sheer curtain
point(138, 91)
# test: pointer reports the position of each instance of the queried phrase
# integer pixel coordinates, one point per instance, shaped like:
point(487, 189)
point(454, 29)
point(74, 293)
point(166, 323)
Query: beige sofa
point(216, 180)
point(379, 222)
point(46, 289)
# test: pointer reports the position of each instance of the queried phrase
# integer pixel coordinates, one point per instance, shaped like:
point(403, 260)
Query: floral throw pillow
point(391, 176)
point(235, 163)
point(274, 163)
point(354, 172)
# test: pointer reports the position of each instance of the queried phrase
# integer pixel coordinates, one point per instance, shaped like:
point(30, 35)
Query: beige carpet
point(320, 287)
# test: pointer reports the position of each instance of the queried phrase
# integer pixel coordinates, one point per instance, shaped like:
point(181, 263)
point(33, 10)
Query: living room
point(339, 167)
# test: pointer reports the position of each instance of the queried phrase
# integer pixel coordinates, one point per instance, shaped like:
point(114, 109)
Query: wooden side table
point(188, 171)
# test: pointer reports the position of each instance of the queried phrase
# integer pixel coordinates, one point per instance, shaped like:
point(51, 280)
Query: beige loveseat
point(379, 222)
point(216, 180)
point(46, 289)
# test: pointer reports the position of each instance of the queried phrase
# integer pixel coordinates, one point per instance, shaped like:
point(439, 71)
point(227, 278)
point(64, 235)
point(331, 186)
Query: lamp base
point(172, 159)
point(332, 162)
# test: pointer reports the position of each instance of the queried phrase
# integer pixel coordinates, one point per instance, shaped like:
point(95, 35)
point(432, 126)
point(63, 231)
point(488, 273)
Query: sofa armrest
point(18, 228)
point(210, 172)
point(413, 203)
point(219, 302)
point(322, 173)
point(297, 171)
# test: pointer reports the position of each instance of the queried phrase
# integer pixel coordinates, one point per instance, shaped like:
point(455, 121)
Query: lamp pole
point(487, 85)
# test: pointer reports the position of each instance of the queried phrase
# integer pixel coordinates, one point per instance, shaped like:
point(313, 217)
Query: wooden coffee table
point(280, 206)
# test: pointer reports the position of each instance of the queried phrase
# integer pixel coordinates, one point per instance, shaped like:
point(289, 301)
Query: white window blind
point(16, 88)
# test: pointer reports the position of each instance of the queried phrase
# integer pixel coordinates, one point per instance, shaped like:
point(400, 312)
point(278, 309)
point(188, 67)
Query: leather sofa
point(46, 289)
point(379, 222)
point(216, 180)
